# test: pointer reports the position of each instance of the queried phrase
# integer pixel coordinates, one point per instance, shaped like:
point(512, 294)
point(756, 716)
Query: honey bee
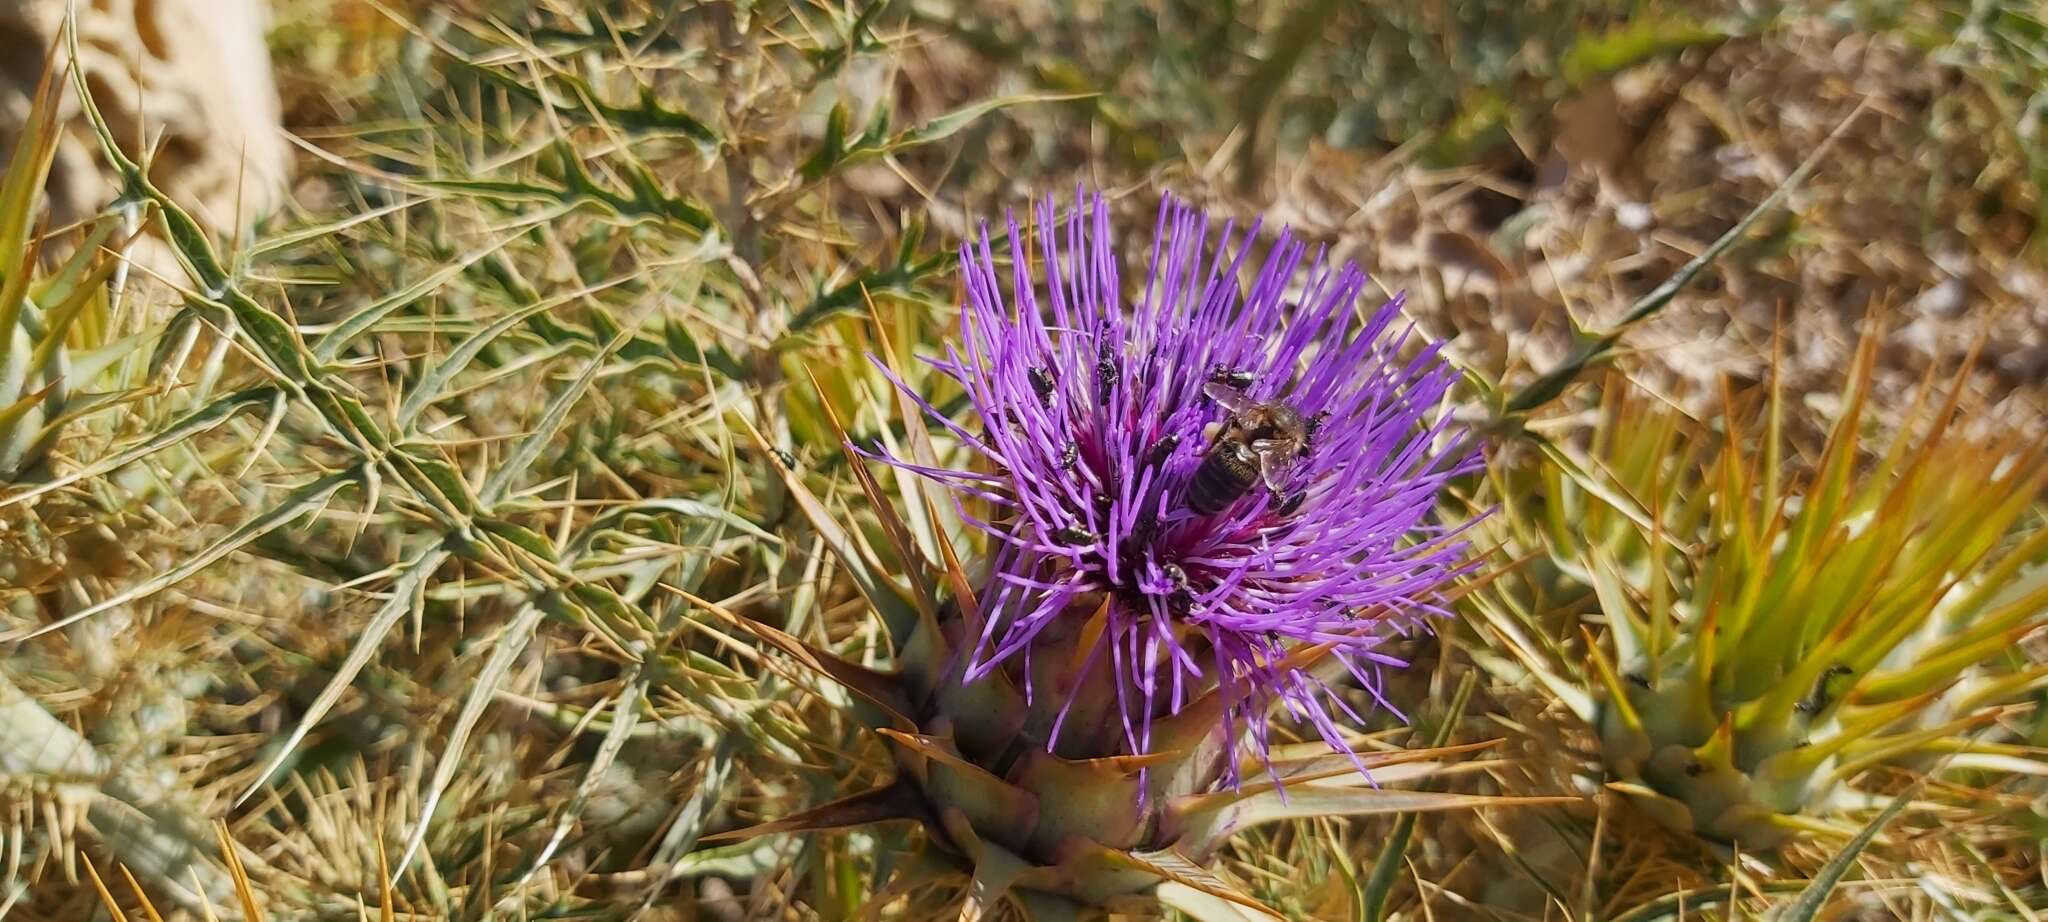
point(1257, 443)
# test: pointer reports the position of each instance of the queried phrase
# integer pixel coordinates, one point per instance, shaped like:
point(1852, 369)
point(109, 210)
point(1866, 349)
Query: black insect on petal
point(1291, 503)
point(1041, 382)
point(1315, 425)
point(1070, 456)
point(1106, 369)
point(1238, 378)
point(1819, 699)
point(1162, 450)
point(1143, 530)
point(1074, 535)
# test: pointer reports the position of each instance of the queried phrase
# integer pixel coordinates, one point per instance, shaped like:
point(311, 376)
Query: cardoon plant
point(1763, 642)
point(1200, 507)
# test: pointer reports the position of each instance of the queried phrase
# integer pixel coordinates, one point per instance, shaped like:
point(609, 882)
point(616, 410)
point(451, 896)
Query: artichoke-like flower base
point(1085, 826)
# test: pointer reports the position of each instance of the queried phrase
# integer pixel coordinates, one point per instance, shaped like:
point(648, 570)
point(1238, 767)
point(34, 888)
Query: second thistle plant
point(1767, 639)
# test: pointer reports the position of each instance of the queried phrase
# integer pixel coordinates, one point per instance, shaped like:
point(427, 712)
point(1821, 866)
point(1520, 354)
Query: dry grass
point(470, 586)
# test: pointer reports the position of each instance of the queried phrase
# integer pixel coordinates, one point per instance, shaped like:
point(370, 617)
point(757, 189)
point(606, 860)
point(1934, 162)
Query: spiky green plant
point(549, 270)
point(57, 330)
point(499, 514)
point(1755, 641)
point(74, 368)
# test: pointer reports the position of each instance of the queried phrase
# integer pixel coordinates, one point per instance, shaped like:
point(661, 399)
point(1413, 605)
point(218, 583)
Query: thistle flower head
point(1223, 477)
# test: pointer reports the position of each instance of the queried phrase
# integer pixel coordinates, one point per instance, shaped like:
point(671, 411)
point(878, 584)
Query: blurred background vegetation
point(386, 528)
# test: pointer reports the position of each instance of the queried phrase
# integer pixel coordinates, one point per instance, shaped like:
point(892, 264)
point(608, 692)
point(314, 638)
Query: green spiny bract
point(1086, 825)
point(1766, 640)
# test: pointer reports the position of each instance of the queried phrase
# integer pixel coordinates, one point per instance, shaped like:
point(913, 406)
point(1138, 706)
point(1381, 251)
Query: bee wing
point(1276, 458)
point(1231, 398)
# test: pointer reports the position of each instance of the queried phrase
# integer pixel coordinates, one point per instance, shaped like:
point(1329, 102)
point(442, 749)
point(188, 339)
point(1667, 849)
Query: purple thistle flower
point(1238, 475)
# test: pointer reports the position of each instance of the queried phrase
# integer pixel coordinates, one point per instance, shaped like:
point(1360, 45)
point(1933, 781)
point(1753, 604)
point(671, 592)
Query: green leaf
point(405, 596)
point(1629, 44)
point(27, 170)
point(83, 261)
point(11, 416)
point(76, 298)
point(837, 153)
point(365, 318)
point(647, 201)
point(995, 870)
point(1217, 819)
point(949, 124)
point(201, 420)
point(686, 508)
point(88, 364)
point(1600, 485)
point(897, 277)
point(1203, 907)
point(510, 643)
point(582, 99)
point(434, 384)
point(830, 148)
point(300, 502)
point(274, 243)
point(529, 448)
point(1807, 905)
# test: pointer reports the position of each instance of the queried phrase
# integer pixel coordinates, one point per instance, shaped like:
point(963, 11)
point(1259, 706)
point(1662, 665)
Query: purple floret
point(1094, 419)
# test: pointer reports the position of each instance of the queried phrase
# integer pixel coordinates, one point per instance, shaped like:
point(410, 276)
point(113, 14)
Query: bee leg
point(1273, 466)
